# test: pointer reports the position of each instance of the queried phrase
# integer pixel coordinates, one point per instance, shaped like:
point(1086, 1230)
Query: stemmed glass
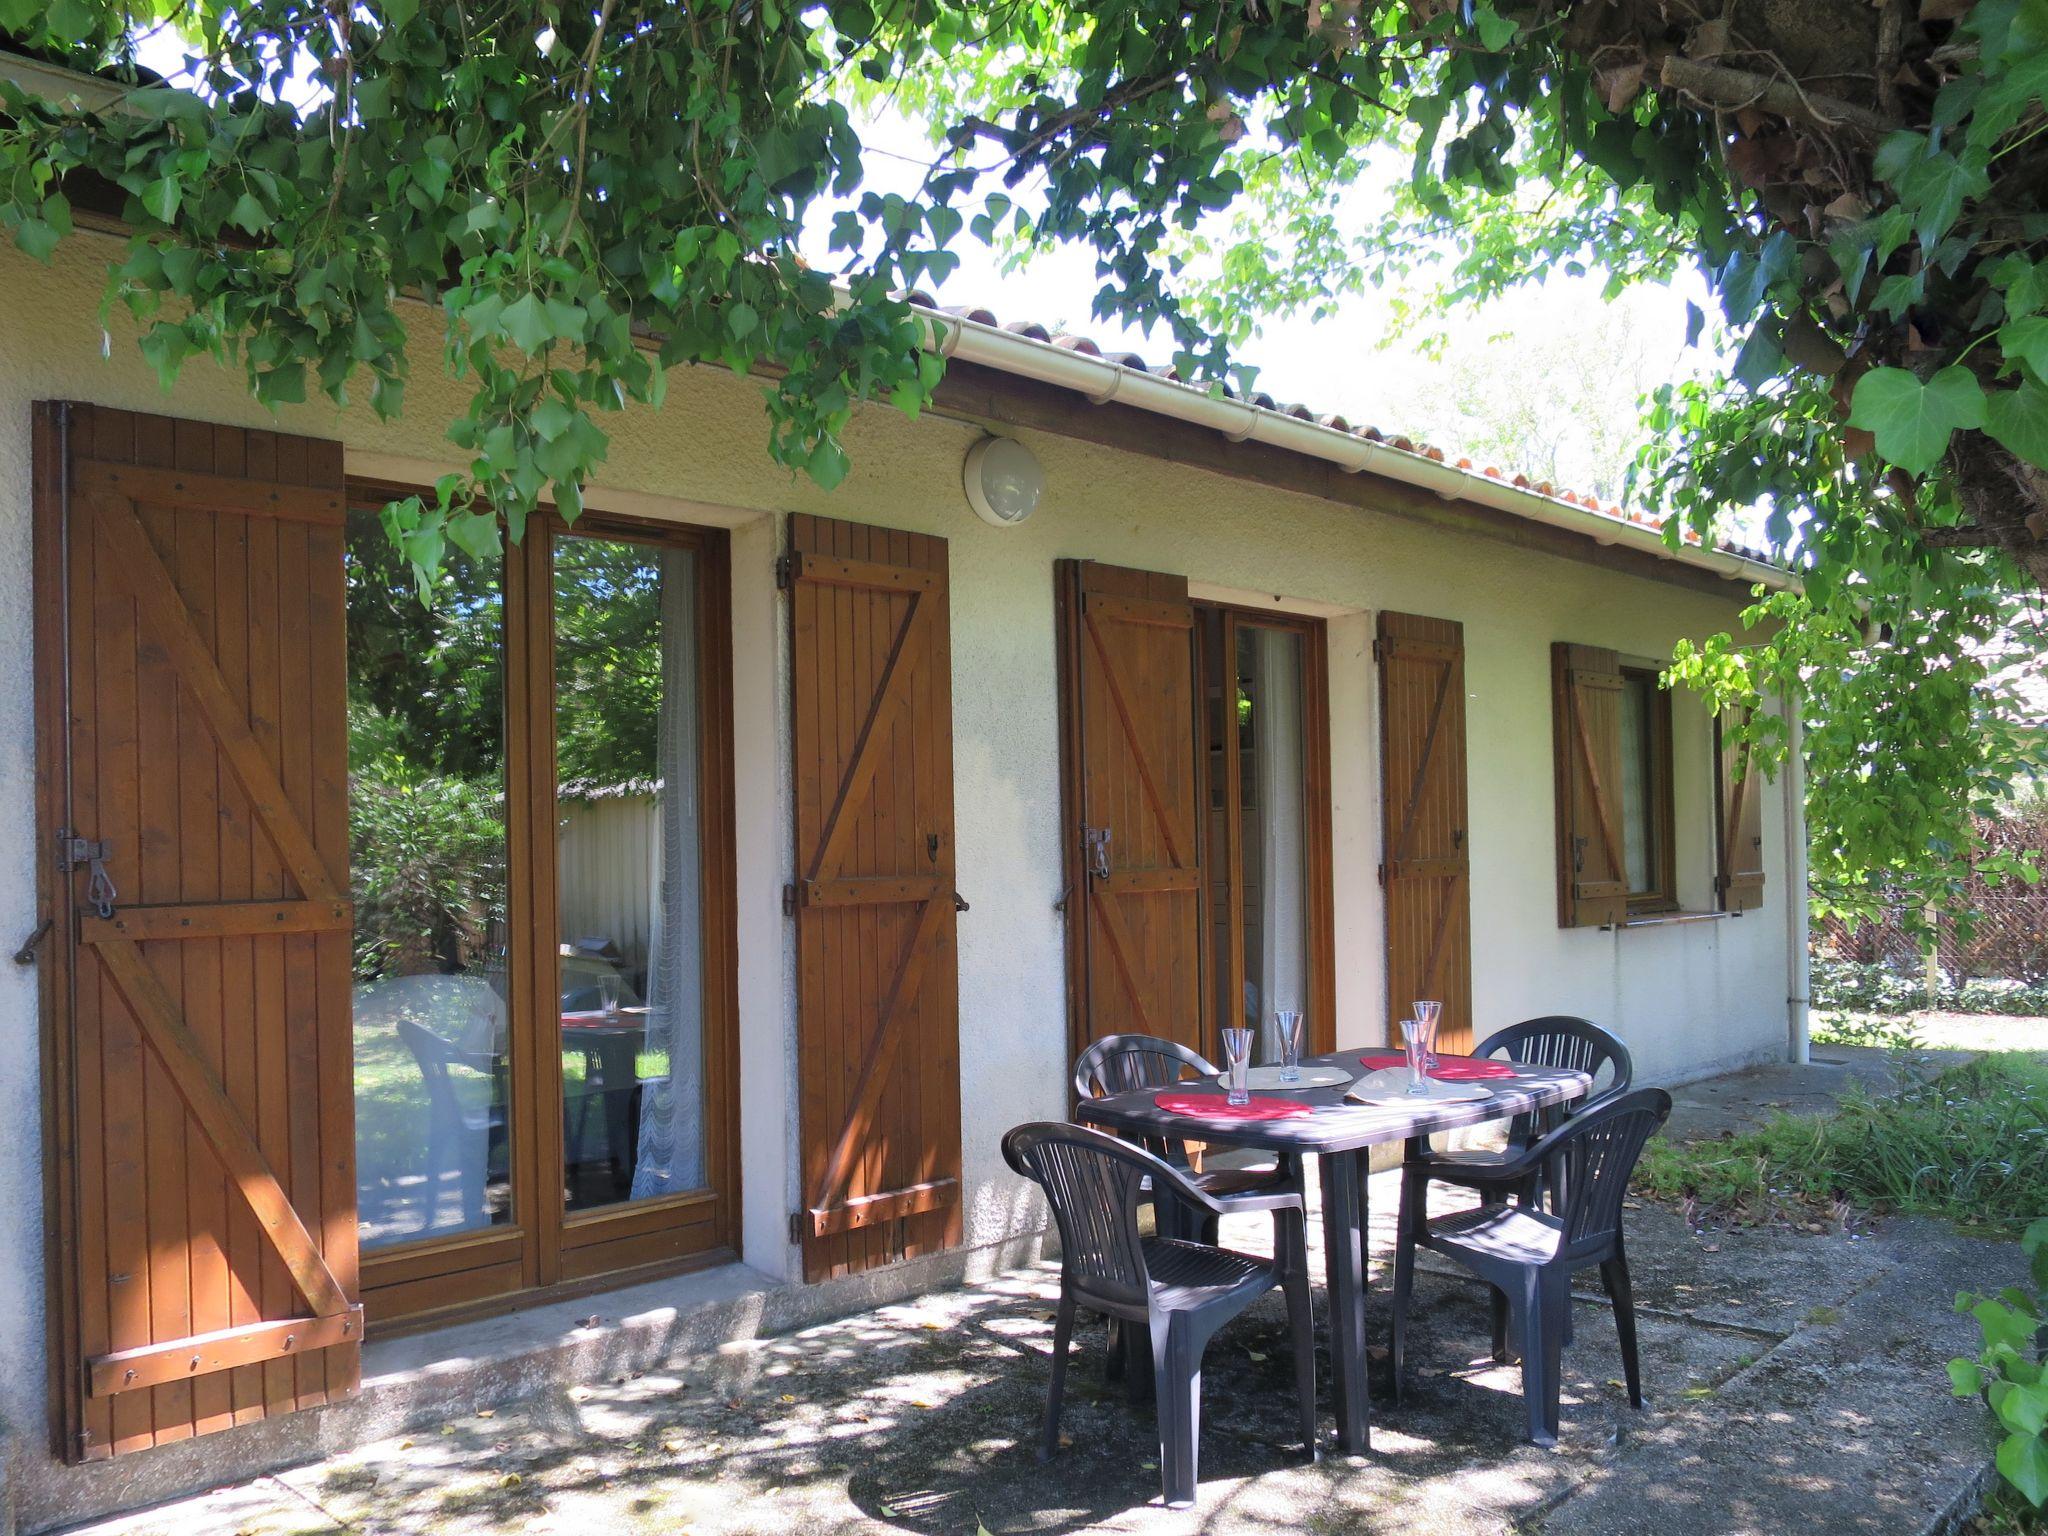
point(1427, 1015)
point(1287, 1037)
point(1237, 1059)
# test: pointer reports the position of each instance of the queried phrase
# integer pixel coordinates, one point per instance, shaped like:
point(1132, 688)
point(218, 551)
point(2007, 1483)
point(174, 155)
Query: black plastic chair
point(1128, 1063)
point(1528, 1255)
point(1181, 1291)
point(1556, 1040)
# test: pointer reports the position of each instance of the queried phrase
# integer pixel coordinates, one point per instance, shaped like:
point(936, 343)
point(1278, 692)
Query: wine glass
point(1287, 1036)
point(1237, 1059)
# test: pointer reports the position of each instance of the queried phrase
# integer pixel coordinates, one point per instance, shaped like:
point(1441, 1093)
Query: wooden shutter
point(195, 757)
point(1739, 870)
point(1428, 859)
point(1592, 867)
point(877, 977)
point(1134, 919)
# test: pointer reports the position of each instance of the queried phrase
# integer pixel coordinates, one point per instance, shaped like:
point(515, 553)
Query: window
point(1646, 796)
point(539, 758)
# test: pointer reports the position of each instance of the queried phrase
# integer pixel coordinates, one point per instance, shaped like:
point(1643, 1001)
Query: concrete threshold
point(446, 1372)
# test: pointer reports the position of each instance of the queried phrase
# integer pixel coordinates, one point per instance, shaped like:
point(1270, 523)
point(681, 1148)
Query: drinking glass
point(1413, 1042)
point(1427, 1015)
point(1287, 1036)
point(608, 995)
point(1237, 1060)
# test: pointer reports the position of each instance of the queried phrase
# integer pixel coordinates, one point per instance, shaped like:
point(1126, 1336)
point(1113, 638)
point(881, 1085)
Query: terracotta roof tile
point(1087, 346)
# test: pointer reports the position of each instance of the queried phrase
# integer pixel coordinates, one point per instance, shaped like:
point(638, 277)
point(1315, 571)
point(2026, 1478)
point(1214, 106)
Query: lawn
point(1965, 1140)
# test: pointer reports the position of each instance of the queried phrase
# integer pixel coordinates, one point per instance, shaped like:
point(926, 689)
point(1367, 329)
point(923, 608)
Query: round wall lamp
point(1003, 481)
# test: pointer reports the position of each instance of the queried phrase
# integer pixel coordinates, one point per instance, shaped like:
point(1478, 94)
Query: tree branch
point(1730, 90)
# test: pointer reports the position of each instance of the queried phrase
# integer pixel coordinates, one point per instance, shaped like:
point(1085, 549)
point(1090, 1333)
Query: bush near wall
point(1846, 986)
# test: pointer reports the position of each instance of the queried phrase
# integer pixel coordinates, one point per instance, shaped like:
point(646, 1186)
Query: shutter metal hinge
point(74, 851)
point(796, 1226)
point(1383, 874)
point(789, 570)
point(789, 901)
point(1379, 650)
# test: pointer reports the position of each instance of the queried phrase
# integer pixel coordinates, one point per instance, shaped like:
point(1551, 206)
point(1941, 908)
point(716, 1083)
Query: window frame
point(544, 1252)
point(1660, 814)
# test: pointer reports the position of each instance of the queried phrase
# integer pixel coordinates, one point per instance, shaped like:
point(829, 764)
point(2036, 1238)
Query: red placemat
point(1215, 1106)
point(1452, 1069)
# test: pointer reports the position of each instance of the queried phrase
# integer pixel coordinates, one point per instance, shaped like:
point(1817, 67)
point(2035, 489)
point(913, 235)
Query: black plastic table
point(1340, 1133)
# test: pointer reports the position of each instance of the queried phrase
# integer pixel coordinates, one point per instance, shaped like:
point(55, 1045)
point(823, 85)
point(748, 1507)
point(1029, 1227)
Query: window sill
point(1667, 920)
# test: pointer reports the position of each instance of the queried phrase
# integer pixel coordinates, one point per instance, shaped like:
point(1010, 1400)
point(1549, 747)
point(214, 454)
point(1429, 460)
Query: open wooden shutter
point(1428, 860)
point(196, 790)
point(1134, 906)
point(1592, 867)
point(877, 977)
point(1739, 870)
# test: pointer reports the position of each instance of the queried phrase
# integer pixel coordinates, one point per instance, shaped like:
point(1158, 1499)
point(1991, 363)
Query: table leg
point(1343, 1181)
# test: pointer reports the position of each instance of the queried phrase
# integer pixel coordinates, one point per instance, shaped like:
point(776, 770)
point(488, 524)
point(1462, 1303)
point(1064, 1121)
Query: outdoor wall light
point(1003, 481)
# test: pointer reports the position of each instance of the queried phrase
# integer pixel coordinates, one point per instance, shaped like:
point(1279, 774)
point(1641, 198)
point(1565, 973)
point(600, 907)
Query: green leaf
point(249, 214)
point(2022, 1409)
point(36, 237)
point(1936, 189)
point(2027, 339)
point(2018, 418)
point(742, 319)
point(161, 198)
point(475, 533)
point(1965, 1377)
point(1495, 30)
point(2023, 1462)
point(1911, 420)
point(526, 322)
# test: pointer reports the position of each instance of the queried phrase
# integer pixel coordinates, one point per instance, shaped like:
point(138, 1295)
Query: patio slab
point(1796, 1380)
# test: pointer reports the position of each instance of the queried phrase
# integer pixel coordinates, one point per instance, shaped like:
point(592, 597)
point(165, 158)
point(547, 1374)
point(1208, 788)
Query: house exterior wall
point(1689, 998)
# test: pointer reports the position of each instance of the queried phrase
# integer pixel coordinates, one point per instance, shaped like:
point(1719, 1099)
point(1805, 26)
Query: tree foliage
point(592, 193)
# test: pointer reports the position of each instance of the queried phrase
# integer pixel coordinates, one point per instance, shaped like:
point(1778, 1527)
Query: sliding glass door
point(540, 783)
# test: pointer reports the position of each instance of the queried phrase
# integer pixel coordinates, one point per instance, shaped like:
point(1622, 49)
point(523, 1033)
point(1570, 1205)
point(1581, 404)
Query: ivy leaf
point(1495, 30)
point(2018, 418)
point(2027, 340)
point(1937, 188)
point(1912, 420)
point(1966, 1377)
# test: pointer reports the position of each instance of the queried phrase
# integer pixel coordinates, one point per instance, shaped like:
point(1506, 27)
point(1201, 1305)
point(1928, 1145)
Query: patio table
point(1340, 1134)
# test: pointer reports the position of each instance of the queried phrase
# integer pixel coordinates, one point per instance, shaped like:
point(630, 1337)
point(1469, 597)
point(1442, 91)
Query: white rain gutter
point(1102, 379)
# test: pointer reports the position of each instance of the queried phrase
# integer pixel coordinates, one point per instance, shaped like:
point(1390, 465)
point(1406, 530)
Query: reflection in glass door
point(427, 874)
point(629, 870)
point(1256, 838)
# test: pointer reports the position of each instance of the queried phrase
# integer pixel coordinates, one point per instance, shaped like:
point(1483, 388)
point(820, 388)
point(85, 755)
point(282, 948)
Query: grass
point(1967, 1142)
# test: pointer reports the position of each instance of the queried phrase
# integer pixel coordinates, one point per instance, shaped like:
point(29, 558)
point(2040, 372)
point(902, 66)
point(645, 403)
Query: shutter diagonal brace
point(890, 699)
point(1610, 838)
point(1415, 787)
point(166, 1032)
point(1153, 797)
point(164, 614)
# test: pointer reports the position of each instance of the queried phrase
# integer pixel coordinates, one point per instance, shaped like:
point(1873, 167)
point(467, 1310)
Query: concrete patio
point(1796, 1383)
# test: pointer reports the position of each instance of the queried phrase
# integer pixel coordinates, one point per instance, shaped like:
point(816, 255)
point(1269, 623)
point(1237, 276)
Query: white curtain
point(1283, 949)
point(671, 1135)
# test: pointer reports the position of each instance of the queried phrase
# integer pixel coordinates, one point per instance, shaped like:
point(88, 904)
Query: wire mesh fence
point(2007, 941)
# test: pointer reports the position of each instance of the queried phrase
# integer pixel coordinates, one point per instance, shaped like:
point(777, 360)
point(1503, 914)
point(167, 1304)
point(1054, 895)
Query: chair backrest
point(1591, 1158)
point(1126, 1063)
point(1559, 1040)
point(435, 1057)
point(1093, 1183)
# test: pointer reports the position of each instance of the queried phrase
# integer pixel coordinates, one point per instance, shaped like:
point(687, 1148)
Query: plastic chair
point(1181, 1291)
point(462, 1139)
point(1129, 1063)
point(1528, 1255)
point(1556, 1040)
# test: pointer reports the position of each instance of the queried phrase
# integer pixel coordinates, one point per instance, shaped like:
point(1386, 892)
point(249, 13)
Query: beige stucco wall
point(1688, 998)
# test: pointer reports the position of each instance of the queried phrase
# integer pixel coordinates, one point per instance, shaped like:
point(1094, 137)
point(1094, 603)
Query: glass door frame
point(1318, 857)
point(543, 1251)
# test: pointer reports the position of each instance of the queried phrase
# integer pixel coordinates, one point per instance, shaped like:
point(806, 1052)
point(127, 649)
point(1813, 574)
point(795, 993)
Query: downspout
point(1798, 963)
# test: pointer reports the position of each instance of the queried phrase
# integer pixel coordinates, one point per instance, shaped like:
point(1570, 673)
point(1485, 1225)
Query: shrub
point(1861, 987)
point(427, 867)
